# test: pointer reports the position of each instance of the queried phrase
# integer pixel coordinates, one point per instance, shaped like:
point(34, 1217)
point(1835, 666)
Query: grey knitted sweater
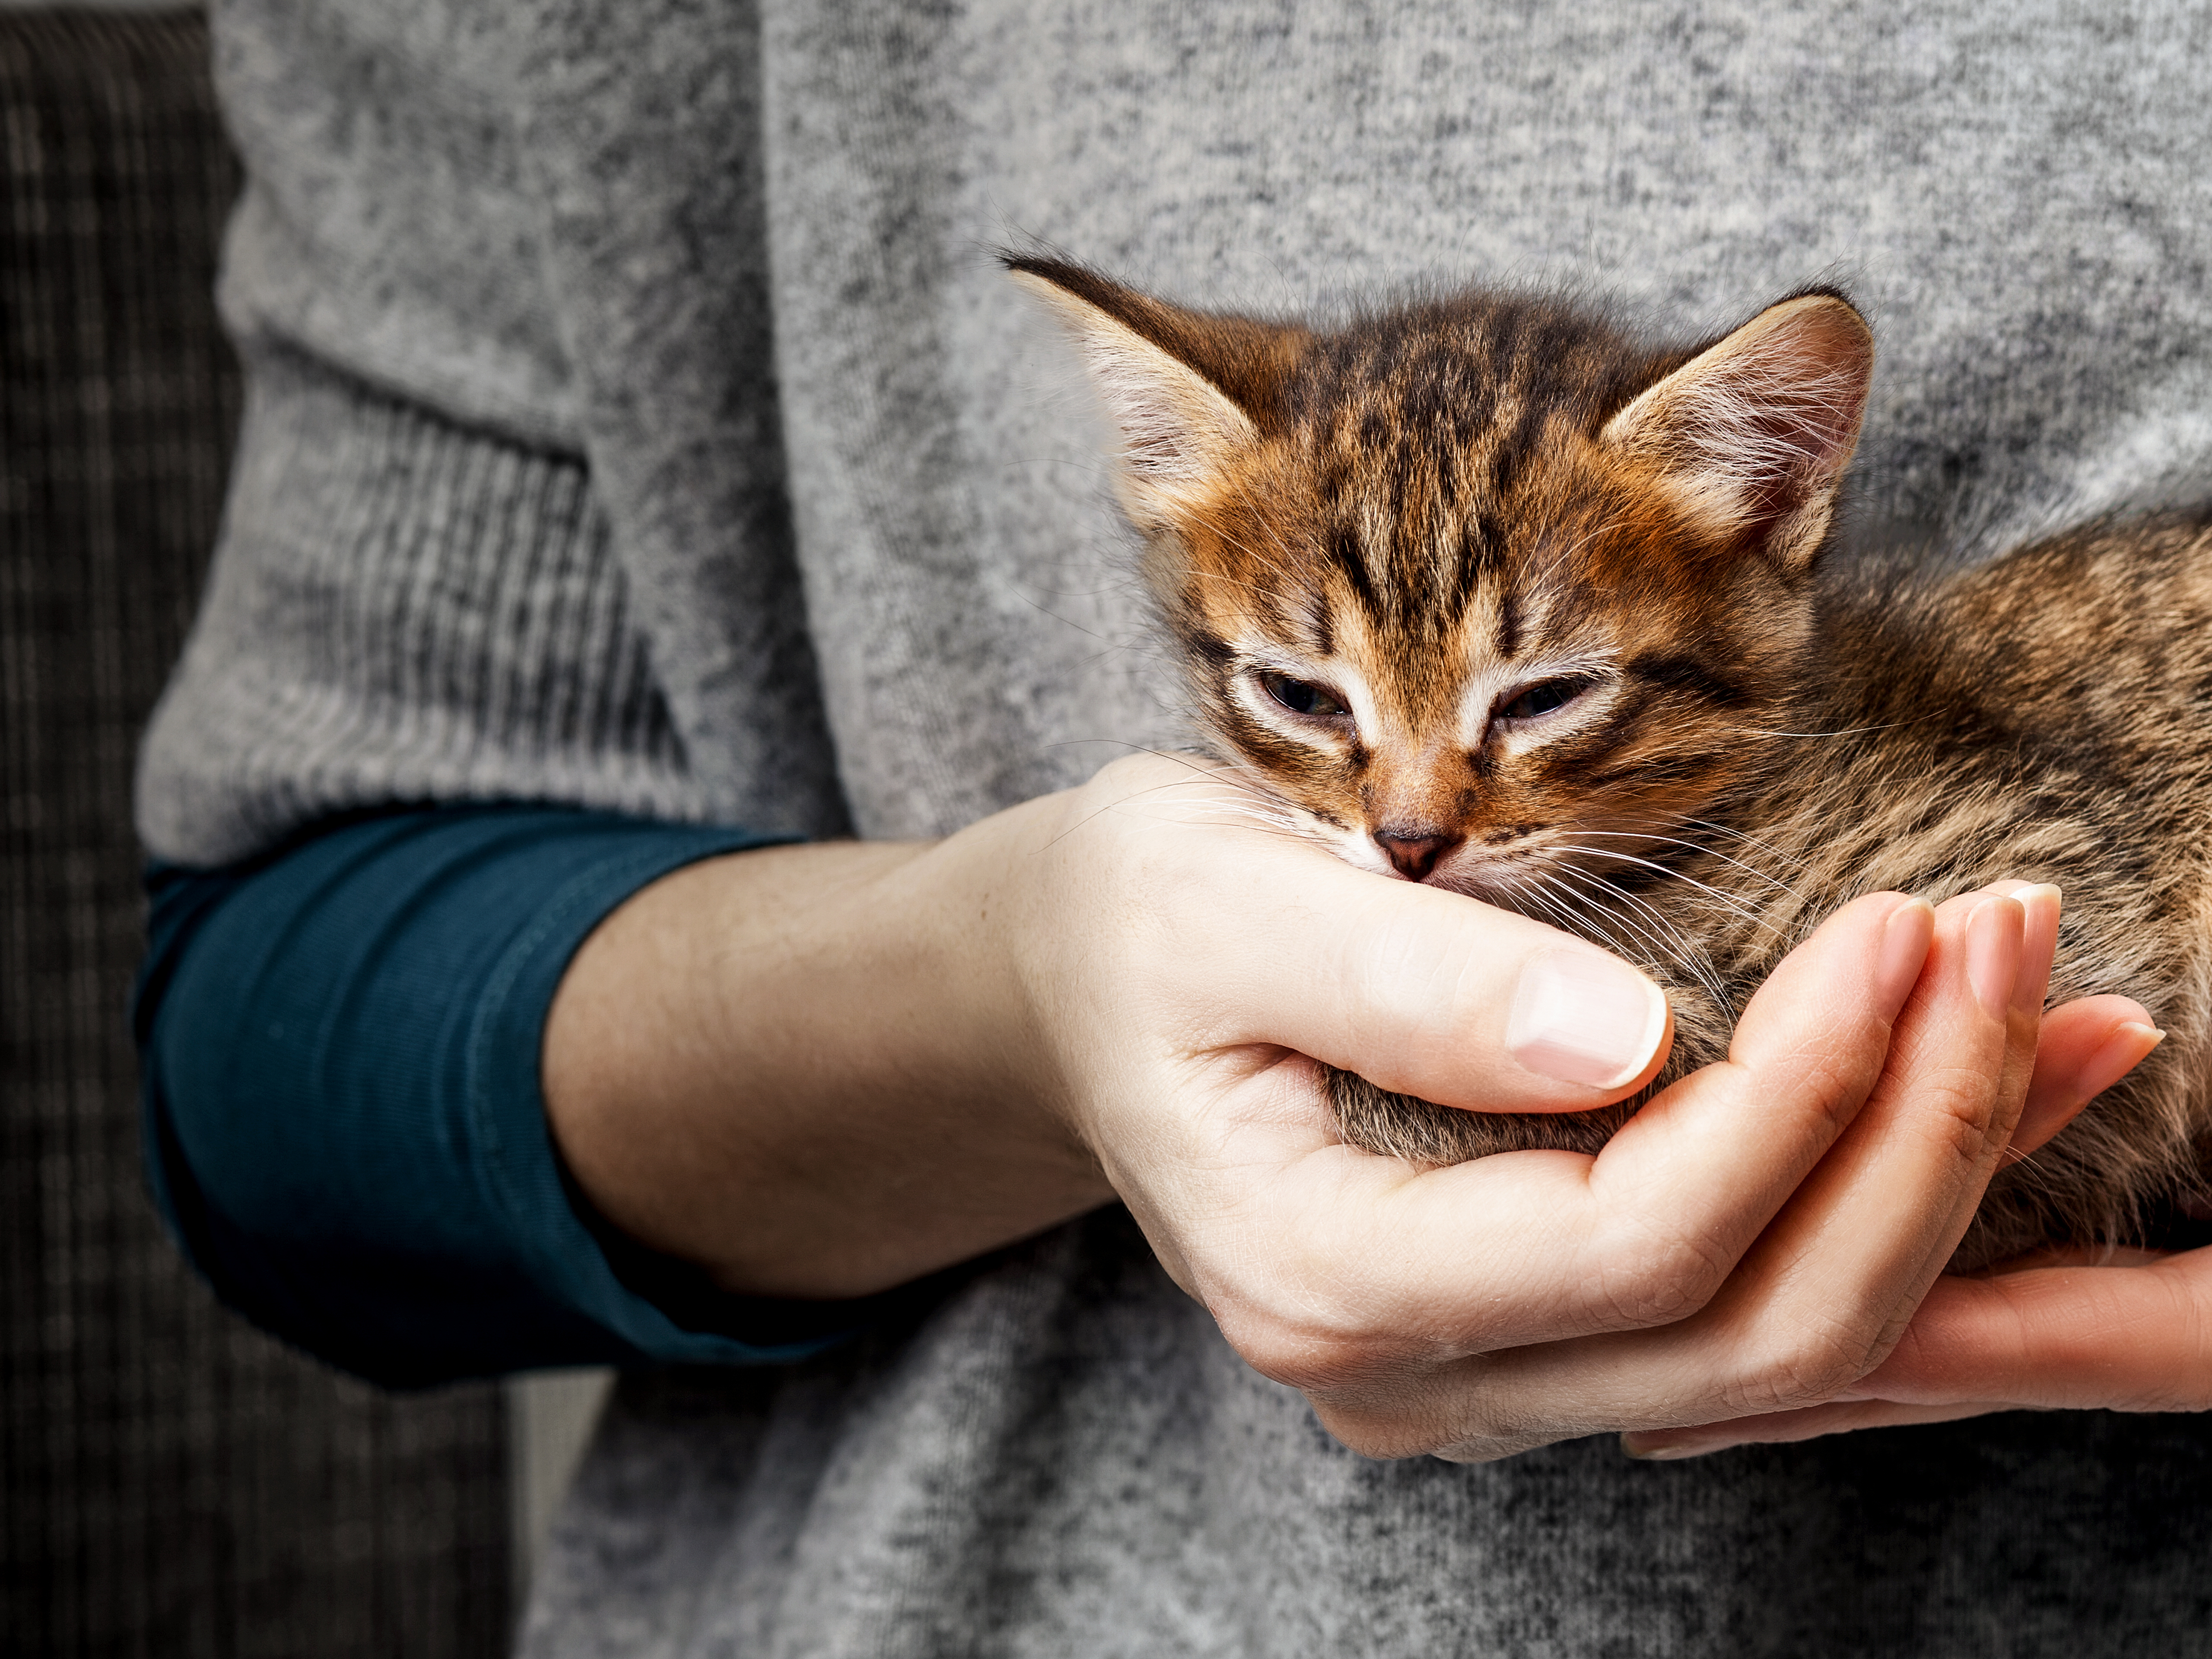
point(637, 419)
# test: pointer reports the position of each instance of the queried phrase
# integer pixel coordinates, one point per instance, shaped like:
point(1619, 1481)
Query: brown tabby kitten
point(1483, 593)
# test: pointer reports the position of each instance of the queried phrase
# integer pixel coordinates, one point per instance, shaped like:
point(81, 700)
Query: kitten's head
point(1479, 587)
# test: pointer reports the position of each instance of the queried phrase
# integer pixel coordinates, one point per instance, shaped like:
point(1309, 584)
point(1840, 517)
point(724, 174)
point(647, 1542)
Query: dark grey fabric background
point(171, 1481)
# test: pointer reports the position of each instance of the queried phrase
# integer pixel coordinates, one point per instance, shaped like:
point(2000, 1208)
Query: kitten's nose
point(1415, 852)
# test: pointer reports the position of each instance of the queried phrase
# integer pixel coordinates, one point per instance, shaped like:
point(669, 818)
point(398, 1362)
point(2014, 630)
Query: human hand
point(1754, 1241)
point(2117, 1330)
point(2132, 1333)
point(821, 1071)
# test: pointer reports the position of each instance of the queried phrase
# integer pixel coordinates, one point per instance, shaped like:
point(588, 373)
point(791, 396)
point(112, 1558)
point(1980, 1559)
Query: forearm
point(805, 1067)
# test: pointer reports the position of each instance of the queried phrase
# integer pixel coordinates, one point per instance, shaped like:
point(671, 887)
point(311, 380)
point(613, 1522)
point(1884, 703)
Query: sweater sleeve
point(344, 1127)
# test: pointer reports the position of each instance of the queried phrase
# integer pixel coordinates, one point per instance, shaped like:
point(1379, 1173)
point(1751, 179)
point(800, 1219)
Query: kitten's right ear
point(1161, 372)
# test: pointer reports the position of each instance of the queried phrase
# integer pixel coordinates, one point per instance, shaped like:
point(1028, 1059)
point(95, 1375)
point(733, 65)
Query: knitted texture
point(737, 271)
point(404, 611)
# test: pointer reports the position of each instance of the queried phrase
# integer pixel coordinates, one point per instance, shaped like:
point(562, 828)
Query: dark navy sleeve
point(343, 1122)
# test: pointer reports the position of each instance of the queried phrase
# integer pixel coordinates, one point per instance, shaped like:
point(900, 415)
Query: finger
point(2126, 1338)
point(2040, 903)
point(1872, 1227)
point(2083, 1048)
point(1264, 942)
point(1433, 995)
point(1884, 1210)
point(1958, 1075)
point(1640, 1236)
point(1782, 1427)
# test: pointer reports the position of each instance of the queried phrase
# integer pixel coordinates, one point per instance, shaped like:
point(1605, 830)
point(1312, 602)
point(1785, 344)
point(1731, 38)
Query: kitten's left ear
point(1751, 435)
point(1188, 390)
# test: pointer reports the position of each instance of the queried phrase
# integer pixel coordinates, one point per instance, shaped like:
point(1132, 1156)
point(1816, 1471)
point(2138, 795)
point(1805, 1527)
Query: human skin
point(823, 1071)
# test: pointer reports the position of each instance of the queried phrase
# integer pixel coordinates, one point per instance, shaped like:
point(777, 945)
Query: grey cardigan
point(636, 419)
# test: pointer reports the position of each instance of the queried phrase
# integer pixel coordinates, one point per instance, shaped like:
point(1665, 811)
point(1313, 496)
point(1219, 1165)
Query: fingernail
point(2033, 982)
point(1581, 1016)
point(1904, 951)
point(2125, 1049)
point(1993, 953)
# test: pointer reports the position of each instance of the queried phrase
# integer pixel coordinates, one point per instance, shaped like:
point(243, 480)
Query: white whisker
point(1744, 836)
point(1742, 910)
point(1699, 847)
point(1682, 951)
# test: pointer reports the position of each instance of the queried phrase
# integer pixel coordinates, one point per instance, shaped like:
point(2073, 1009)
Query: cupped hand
point(1754, 1242)
point(2132, 1333)
point(2117, 1330)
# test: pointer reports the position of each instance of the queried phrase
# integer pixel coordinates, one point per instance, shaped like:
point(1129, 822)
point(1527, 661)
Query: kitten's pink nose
point(1414, 851)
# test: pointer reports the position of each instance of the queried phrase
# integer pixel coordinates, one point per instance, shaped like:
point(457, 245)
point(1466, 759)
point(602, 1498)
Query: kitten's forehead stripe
point(1350, 556)
point(1473, 562)
point(1424, 433)
point(1508, 624)
point(1208, 646)
point(1324, 637)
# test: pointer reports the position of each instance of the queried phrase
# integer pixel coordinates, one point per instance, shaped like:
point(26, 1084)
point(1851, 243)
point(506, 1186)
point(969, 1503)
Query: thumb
point(1429, 992)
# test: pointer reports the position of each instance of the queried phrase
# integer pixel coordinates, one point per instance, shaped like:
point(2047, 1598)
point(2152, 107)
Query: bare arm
point(794, 1067)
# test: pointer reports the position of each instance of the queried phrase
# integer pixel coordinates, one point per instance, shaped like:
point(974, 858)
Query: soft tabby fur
point(1481, 591)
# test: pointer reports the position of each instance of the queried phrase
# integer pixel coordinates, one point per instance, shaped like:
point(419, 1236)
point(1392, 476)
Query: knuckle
point(1824, 1075)
point(1649, 1275)
point(1838, 1084)
point(1310, 1361)
point(1955, 1108)
point(1806, 1366)
point(1829, 1072)
point(1960, 1106)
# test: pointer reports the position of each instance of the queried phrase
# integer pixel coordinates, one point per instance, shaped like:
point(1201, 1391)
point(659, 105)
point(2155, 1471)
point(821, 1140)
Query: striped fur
point(1482, 592)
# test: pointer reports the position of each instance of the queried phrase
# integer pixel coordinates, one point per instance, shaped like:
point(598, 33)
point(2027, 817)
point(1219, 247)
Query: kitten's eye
point(1300, 696)
point(1543, 698)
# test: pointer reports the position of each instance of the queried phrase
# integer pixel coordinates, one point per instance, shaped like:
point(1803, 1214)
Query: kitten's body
point(2047, 716)
point(1484, 593)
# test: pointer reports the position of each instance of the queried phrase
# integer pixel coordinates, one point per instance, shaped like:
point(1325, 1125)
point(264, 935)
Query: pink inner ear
point(1806, 389)
point(1753, 433)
